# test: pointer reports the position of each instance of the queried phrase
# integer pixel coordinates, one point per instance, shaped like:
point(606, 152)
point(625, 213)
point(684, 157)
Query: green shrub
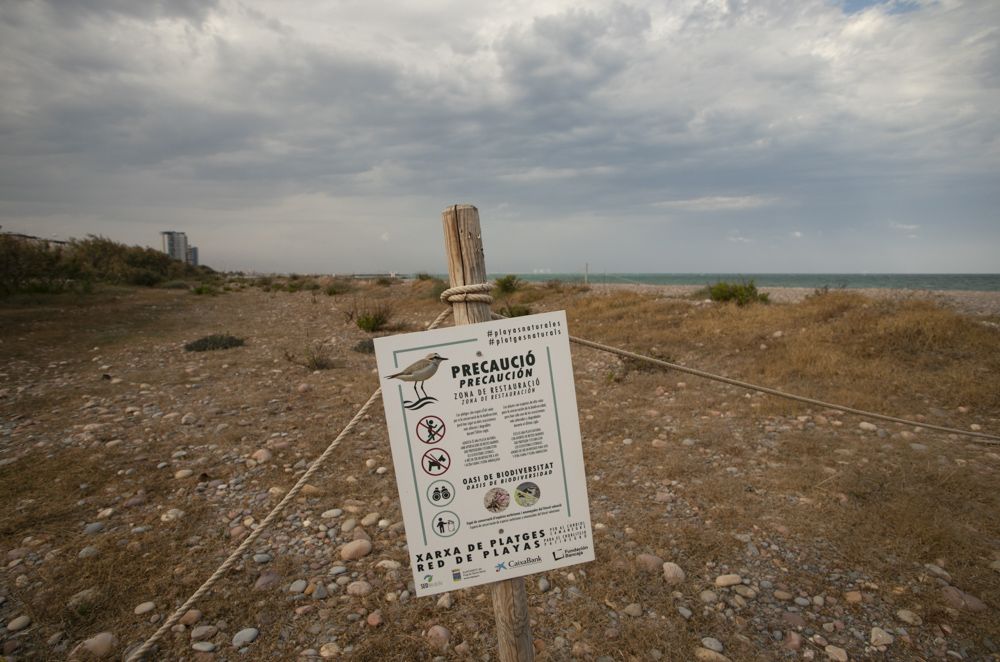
point(315, 357)
point(742, 293)
point(386, 281)
point(366, 346)
point(424, 276)
point(213, 342)
point(338, 286)
point(204, 288)
point(514, 310)
point(175, 285)
point(508, 284)
point(372, 317)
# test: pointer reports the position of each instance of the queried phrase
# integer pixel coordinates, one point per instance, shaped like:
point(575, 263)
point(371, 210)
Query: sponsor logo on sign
point(531, 560)
point(560, 554)
point(501, 566)
point(456, 575)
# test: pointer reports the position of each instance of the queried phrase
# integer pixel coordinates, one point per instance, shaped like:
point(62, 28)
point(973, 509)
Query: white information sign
point(486, 446)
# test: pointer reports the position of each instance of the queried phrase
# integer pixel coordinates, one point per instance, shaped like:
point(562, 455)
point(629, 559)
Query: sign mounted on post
point(486, 447)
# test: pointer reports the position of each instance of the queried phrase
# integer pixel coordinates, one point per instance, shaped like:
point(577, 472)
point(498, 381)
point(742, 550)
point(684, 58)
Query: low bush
point(204, 288)
point(515, 310)
point(175, 285)
point(366, 346)
point(315, 357)
point(214, 342)
point(508, 284)
point(338, 286)
point(742, 293)
point(371, 316)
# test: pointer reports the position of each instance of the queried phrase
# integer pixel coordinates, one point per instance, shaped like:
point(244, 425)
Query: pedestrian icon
point(440, 493)
point(430, 429)
point(435, 462)
point(445, 524)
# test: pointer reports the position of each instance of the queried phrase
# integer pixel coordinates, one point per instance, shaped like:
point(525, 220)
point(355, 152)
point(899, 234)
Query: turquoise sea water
point(980, 282)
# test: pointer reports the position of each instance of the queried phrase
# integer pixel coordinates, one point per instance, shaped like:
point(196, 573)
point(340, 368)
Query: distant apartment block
point(175, 244)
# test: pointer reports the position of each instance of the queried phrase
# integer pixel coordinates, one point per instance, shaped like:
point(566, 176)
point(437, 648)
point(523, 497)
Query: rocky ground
point(728, 527)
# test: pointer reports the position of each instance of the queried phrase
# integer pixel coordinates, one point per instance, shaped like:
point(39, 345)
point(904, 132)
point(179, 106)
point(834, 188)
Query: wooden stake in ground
point(467, 266)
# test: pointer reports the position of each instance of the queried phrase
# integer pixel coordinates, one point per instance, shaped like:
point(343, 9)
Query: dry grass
point(828, 496)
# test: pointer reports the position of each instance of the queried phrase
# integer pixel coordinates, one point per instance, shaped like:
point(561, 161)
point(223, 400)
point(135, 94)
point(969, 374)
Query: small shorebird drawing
point(418, 372)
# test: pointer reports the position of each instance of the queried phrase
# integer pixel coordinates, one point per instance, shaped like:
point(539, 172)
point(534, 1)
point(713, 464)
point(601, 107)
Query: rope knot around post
point(477, 292)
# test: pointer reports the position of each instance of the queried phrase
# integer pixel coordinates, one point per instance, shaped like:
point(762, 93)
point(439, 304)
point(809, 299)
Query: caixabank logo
point(517, 563)
point(560, 554)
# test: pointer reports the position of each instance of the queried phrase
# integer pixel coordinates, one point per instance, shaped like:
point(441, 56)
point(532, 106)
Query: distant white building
point(175, 244)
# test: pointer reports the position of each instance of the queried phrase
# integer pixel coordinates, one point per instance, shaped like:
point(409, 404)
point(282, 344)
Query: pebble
point(190, 617)
point(355, 550)
point(959, 599)
point(359, 588)
point(244, 637)
point(93, 528)
point(446, 601)
point(708, 655)
point(203, 646)
point(261, 456)
point(329, 649)
point(672, 573)
point(438, 636)
point(909, 617)
point(203, 632)
point(172, 515)
point(298, 586)
point(782, 595)
point(374, 619)
point(649, 563)
point(183, 473)
point(836, 653)
point(685, 612)
point(867, 427)
point(19, 623)
point(332, 513)
point(711, 643)
point(708, 597)
point(727, 580)
point(634, 610)
point(267, 580)
point(100, 645)
point(543, 584)
point(87, 552)
point(144, 608)
point(880, 637)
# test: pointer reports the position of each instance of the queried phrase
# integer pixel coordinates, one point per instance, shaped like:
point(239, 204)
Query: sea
point(976, 282)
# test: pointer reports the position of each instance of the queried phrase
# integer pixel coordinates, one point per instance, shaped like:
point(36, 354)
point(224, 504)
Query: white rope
point(480, 293)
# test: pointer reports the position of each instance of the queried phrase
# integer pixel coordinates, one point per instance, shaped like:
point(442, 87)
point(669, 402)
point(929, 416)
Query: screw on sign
point(430, 429)
point(435, 462)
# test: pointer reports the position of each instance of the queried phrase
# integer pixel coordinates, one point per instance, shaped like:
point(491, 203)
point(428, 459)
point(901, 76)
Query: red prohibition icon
point(435, 462)
point(430, 429)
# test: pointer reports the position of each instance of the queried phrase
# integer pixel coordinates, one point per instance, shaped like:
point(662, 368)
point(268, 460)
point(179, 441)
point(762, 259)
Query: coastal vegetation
point(34, 267)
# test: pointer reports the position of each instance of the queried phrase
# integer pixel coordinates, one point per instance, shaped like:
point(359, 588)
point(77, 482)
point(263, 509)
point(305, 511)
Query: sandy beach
point(969, 302)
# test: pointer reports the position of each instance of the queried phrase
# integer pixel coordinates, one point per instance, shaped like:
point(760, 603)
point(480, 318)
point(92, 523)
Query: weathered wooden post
point(467, 266)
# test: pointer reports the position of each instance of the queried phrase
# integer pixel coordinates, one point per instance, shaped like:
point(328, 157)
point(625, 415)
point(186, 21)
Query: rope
point(480, 293)
point(472, 293)
point(989, 439)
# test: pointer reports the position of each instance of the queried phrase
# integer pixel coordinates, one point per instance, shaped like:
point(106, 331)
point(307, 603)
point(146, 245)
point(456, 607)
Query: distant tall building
point(192, 256)
point(175, 244)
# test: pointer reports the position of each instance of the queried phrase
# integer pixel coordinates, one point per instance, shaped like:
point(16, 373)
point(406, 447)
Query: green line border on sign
point(396, 353)
point(413, 469)
point(555, 405)
point(406, 423)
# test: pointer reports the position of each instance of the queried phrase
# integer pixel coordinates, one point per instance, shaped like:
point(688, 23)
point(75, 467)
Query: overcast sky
point(681, 136)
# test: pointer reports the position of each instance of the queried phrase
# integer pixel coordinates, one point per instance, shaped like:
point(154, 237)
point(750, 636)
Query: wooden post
point(467, 266)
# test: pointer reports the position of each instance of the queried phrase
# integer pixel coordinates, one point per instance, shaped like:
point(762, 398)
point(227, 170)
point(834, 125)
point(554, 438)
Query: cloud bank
point(696, 135)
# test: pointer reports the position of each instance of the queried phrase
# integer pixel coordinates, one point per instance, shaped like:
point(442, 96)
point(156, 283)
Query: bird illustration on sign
point(418, 372)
